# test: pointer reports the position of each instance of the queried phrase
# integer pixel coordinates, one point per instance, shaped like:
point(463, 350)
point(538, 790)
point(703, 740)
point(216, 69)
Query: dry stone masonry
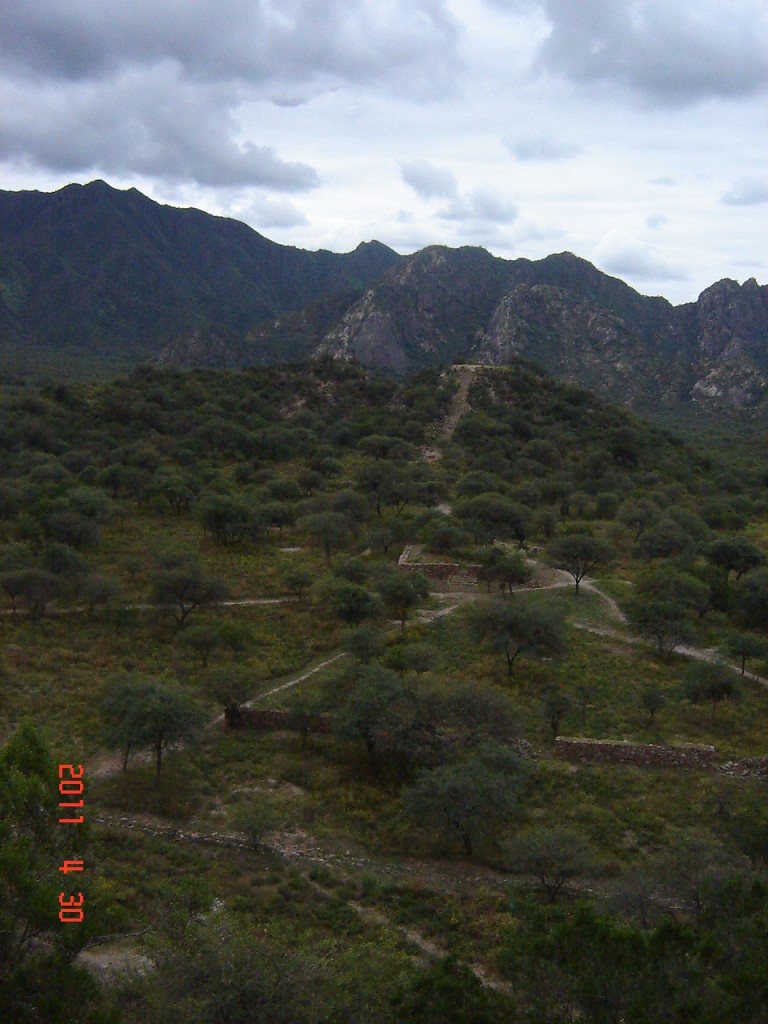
point(649, 755)
point(444, 577)
point(646, 755)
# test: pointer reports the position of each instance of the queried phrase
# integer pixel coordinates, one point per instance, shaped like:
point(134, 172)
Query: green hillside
point(322, 788)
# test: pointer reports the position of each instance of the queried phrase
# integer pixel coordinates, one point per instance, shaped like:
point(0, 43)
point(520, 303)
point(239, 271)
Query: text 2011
point(70, 789)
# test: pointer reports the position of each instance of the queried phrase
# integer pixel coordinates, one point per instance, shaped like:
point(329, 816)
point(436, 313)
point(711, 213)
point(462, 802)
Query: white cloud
point(673, 51)
point(621, 253)
point(656, 220)
point(532, 148)
point(264, 212)
point(427, 180)
point(748, 192)
point(480, 206)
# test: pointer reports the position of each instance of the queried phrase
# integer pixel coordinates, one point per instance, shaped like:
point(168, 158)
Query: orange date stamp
point(71, 787)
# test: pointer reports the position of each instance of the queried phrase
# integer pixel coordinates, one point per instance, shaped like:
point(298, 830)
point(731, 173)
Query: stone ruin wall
point(644, 755)
point(649, 755)
point(444, 577)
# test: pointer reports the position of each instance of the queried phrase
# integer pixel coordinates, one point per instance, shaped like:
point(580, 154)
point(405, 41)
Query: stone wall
point(747, 767)
point(444, 577)
point(646, 755)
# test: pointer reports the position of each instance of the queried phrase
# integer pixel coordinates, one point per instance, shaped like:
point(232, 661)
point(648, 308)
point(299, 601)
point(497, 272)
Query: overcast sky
point(631, 132)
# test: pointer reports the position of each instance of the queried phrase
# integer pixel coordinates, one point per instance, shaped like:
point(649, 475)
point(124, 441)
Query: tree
point(514, 627)
point(35, 587)
point(468, 800)
point(69, 527)
point(707, 682)
point(663, 607)
point(65, 563)
point(638, 515)
point(120, 697)
point(177, 488)
point(412, 657)
point(138, 712)
point(752, 599)
point(652, 700)
point(100, 591)
point(553, 855)
point(352, 602)
point(310, 480)
point(331, 530)
point(491, 516)
point(207, 638)
point(38, 978)
point(215, 969)
point(305, 715)
point(256, 821)
point(182, 584)
point(734, 554)
point(745, 646)
point(297, 581)
point(441, 535)
point(372, 708)
point(504, 567)
point(167, 715)
point(13, 581)
point(366, 643)
point(578, 554)
point(665, 538)
point(373, 479)
point(471, 715)
point(379, 446)
point(555, 705)
point(449, 992)
point(231, 686)
point(224, 517)
point(401, 592)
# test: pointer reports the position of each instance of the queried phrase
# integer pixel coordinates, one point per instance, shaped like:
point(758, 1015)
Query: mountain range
point(92, 270)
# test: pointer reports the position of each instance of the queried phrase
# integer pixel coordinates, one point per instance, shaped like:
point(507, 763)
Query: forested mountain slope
point(93, 273)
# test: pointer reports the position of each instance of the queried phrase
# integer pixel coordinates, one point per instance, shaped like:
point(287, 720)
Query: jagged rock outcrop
point(106, 274)
point(565, 315)
point(728, 326)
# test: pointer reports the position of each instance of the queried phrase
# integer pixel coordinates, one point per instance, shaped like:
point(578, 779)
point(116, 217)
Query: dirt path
point(299, 679)
point(459, 403)
point(297, 846)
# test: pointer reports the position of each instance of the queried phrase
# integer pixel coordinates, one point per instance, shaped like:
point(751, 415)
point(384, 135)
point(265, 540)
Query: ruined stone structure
point(645, 755)
point(444, 577)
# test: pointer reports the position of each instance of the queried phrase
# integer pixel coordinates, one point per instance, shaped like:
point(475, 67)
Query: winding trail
point(466, 373)
point(299, 847)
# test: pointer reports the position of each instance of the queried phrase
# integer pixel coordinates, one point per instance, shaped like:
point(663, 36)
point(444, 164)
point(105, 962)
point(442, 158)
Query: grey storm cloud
point(673, 51)
point(749, 192)
point(259, 42)
point(153, 87)
point(148, 123)
point(428, 180)
point(540, 148)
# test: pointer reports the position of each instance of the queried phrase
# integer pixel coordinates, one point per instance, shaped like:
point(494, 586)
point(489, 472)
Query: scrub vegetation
point(318, 790)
